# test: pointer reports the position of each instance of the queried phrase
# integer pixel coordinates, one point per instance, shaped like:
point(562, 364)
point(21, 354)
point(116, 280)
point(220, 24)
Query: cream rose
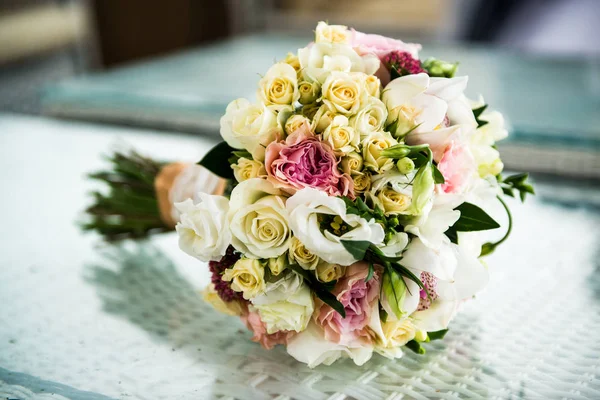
point(370, 119)
point(317, 57)
point(322, 119)
point(343, 93)
point(342, 138)
point(248, 126)
point(211, 296)
point(326, 33)
point(294, 122)
point(292, 60)
point(258, 219)
point(352, 163)
point(286, 305)
point(203, 229)
point(372, 147)
point(299, 254)
point(279, 87)
point(330, 272)
point(277, 265)
point(307, 209)
point(372, 85)
point(393, 202)
point(362, 181)
point(246, 276)
point(247, 169)
point(392, 334)
point(309, 91)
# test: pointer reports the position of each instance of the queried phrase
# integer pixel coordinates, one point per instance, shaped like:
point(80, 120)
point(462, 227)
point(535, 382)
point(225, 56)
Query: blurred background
point(175, 64)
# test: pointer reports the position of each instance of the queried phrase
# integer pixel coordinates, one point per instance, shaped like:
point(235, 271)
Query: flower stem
point(488, 248)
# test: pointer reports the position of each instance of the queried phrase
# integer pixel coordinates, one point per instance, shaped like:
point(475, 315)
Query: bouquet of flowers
point(360, 186)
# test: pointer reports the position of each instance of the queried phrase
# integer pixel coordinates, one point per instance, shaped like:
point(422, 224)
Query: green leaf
point(357, 248)
point(371, 272)
point(473, 218)
point(423, 187)
point(320, 289)
point(216, 160)
point(452, 235)
point(437, 176)
point(394, 290)
point(416, 347)
point(437, 334)
point(477, 113)
point(402, 270)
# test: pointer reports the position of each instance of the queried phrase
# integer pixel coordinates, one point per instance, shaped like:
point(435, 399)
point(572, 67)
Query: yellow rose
point(279, 87)
point(299, 254)
point(362, 182)
point(326, 33)
point(372, 148)
point(309, 91)
point(277, 265)
point(292, 60)
point(392, 201)
point(248, 169)
point(352, 163)
point(294, 122)
point(342, 138)
point(372, 85)
point(330, 272)
point(211, 296)
point(246, 276)
point(397, 333)
point(322, 119)
point(370, 119)
point(343, 93)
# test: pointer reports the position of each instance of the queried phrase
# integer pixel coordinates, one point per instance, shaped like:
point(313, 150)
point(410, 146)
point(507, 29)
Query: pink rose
point(301, 161)
point(358, 298)
point(458, 168)
point(268, 341)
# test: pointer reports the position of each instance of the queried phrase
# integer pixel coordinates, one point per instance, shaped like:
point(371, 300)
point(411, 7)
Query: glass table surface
point(80, 319)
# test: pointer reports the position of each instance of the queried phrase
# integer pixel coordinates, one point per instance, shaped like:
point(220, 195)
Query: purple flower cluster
point(403, 62)
point(428, 293)
point(217, 268)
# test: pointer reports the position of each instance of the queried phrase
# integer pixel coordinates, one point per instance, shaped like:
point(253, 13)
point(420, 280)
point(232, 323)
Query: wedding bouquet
point(361, 186)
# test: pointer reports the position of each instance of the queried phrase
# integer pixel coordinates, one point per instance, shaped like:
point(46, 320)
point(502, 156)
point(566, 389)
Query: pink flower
point(268, 341)
point(304, 161)
point(381, 45)
point(358, 298)
point(458, 168)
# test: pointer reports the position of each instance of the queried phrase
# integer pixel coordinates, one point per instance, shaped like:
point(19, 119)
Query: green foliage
point(477, 113)
point(394, 290)
point(357, 248)
point(437, 334)
point(129, 210)
point(517, 182)
point(217, 160)
point(439, 68)
point(416, 347)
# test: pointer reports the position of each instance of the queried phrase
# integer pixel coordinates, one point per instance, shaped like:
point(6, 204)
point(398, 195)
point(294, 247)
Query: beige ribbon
point(177, 182)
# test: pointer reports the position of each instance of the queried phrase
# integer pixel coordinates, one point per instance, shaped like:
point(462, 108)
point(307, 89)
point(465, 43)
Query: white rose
point(286, 305)
point(203, 229)
point(248, 126)
point(279, 87)
point(247, 169)
point(318, 56)
point(372, 146)
point(329, 272)
point(352, 163)
point(306, 209)
point(294, 122)
point(326, 33)
point(342, 138)
point(419, 103)
point(371, 118)
point(343, 93)
point(258, 219)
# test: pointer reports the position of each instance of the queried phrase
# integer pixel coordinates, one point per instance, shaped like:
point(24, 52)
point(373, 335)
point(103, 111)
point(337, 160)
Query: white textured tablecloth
point(82, 320)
